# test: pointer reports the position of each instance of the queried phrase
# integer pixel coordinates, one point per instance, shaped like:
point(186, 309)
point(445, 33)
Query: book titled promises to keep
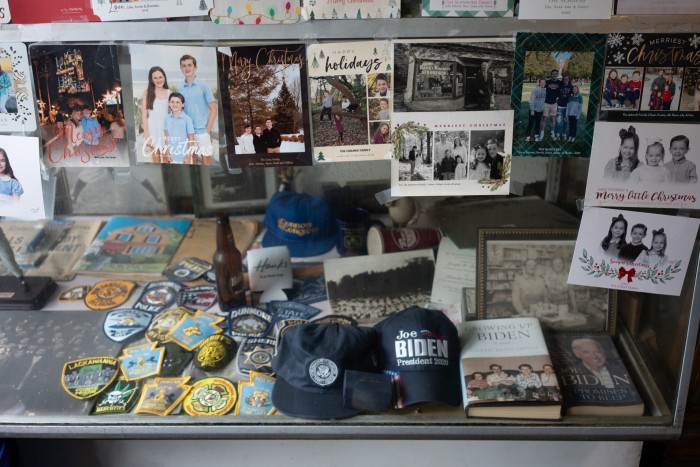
point(592, 377)
point(506, 370)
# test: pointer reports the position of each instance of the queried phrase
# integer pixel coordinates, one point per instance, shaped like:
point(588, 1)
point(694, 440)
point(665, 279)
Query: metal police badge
point(161, 397)
point(255, 354)
point(210, 396)
point(105, 295)
point(119, 325)
point(88, 377)
point(248, 321)
point(163, 322)
point(141, 361)
point(157, 296)
point(190, 331)
point(117, 398)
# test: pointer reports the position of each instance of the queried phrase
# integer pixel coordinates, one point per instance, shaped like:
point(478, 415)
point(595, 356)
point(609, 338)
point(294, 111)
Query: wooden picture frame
point(215, 190)
point(523, 272)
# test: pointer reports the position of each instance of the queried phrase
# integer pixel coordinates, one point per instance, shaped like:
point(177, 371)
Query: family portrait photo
point(528, 278)
point(662, 88)
point(630, 250)
point(17, 109)
point(690, 91)
point(21, 192)
point(339, 110)
point(265, 102)
point(79, 96)
point(176, 104)
point(452, 75)
point(644, 164)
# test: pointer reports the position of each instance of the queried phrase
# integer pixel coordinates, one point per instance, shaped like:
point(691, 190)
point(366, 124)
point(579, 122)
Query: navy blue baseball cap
point(310, 365)
point(420, 349)
point(303, 223)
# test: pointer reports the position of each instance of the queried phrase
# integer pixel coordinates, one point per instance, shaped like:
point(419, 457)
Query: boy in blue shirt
point(178, 131)
point(201, 108)
point(91, 130)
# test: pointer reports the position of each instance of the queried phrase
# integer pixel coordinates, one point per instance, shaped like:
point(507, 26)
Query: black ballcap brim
point(430, 386)
point(306, 404)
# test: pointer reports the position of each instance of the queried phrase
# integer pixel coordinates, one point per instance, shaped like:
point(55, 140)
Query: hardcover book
point(80, 101)
point(367, 9)
point(506, 368)
point(264, 96)
point(344, 80)
point(651, 78)
point(468, 8)
point(134, 245)
point(592, 377)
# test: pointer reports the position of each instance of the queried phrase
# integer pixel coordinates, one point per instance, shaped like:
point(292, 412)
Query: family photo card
point(78, 91)
point(21, 193)
point(176, 108)
point(265, 102)
point(644, 165)
point(17, 109)
point(122, 10)
point(635, 251)
point(555, 93)
point(468, 8)
point(651, 78)
point(245, 12)
point(435, 154)
point(351, 119)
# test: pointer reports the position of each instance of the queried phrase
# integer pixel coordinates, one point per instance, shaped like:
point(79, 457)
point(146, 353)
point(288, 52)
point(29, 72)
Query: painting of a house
point(146, 239)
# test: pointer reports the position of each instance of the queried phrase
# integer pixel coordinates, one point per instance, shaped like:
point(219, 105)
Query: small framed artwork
point(522, 272)
point(215, 190)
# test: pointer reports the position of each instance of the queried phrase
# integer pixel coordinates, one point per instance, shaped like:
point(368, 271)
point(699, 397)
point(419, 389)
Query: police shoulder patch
point(117, 398)
point(108, 294)
point(119, 325)
point(255, 354)
point(249, 321)
point(141, 361)
point(162, 396)
point(215, 352)
point(87, 377)
point(157, 296)
point(209, 397)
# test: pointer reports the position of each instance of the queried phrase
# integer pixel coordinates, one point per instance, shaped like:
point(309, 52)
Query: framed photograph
point(523, 272)
point(245, 193)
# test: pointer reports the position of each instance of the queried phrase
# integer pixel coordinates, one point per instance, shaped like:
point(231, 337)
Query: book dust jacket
point(347, 107)
point(265, 102)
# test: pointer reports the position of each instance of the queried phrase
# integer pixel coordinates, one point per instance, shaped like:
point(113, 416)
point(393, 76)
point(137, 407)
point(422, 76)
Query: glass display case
point(656, 335)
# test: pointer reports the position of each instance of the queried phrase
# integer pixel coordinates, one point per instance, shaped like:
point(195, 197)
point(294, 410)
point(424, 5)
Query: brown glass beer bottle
point(228, 266)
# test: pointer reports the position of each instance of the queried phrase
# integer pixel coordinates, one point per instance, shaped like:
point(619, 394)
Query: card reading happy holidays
point(347, 107)
point(635, 251)
point(644, 165)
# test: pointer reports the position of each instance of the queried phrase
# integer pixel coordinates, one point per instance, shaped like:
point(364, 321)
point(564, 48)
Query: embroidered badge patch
point(163, 322)
point(109, 294)
point(175, 360)
point(117, 398)
point(336, 319)
point(187, 269)
point(210, 396)
point(88, 377)
point(248, 321)
point(215, 352)
point(200, 297)
point(255, 354)
point(291, 310)
point(254, 397)
point(75, 294)
point(119, 325)
point(162, 396)
point(157, 296)
point(141, 361)
point(190, 331)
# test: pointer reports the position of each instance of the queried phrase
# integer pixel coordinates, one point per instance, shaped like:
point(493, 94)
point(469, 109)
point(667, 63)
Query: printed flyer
point(556, 93)
point(644, 165)
point(468, 8)
point(635, 251)
point(16, 94)
point(264, 95)
point(365, 9)
point(651, 78)
point(176, 112)
point(451, 154)
point(111, 10)
point(350, 117)
point(79, 93)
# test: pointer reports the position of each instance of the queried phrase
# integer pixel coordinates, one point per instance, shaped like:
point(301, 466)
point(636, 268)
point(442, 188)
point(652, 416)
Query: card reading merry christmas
point(635, 251)
point(79, 95)
point(264, 95)
point(651, 78)
point(346, 102)
point(556, 93)
point(644, 165)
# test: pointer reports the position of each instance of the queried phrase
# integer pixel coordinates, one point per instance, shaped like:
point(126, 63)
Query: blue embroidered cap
point(301, 222)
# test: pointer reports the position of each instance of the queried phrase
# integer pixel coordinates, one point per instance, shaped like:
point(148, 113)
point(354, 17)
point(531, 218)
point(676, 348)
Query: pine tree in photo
point(250, 90)
point(284, 106)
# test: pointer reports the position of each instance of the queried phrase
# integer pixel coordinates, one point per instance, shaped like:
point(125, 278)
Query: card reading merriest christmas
point(264, 95)
point(636, 251)
point(16, 95)
point(651, 78)
point(78, 89)
point(347, 108)
point(644, 165)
